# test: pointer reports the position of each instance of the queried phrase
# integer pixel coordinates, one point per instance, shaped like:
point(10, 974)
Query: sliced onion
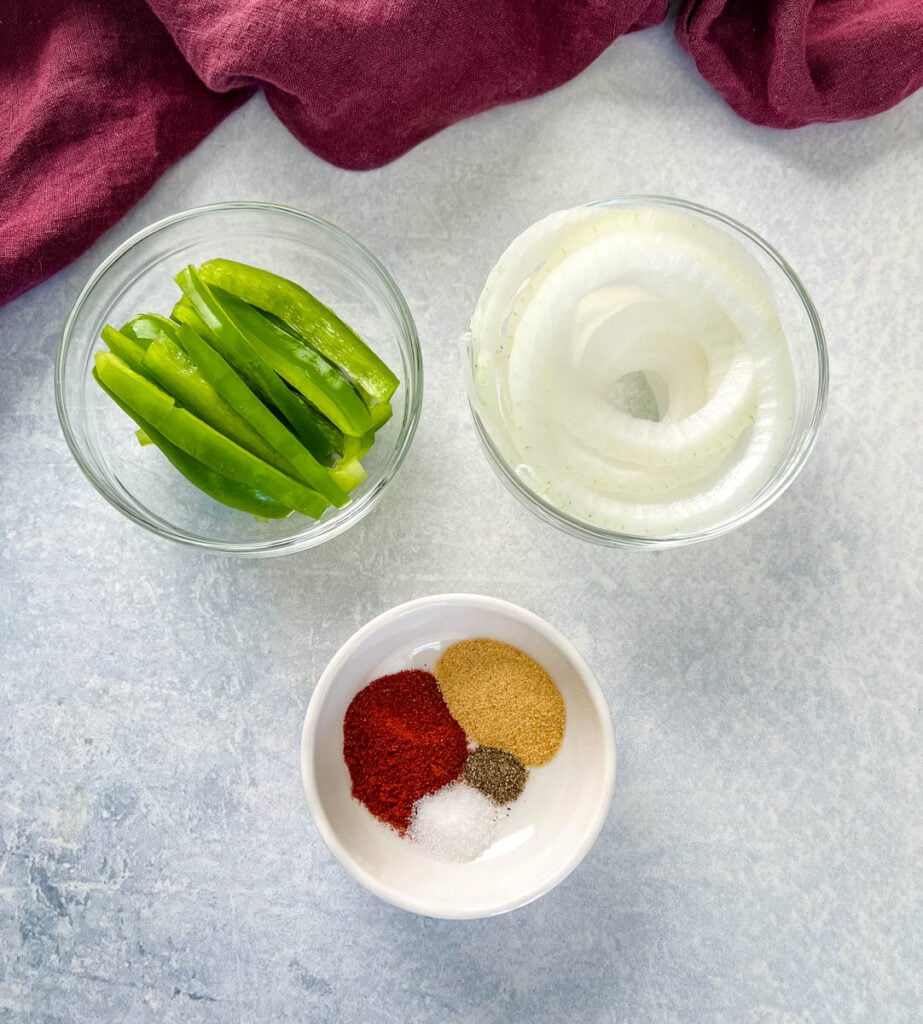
point(587, 297)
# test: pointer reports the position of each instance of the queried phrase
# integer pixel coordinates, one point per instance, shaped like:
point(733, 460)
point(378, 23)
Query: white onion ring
point(589, 296)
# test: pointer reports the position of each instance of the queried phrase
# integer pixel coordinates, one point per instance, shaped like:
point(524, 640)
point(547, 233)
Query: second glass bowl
point(517, 276)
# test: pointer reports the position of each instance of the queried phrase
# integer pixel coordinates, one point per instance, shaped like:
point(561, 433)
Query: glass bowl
point(138, 277)
point(807, 348)
point(545, 833)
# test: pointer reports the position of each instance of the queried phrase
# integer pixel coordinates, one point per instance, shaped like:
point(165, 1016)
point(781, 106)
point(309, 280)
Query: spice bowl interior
point(543, 835)
point(138, 277)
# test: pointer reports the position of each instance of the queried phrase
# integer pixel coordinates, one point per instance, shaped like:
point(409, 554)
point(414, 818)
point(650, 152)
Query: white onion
point(586, 298)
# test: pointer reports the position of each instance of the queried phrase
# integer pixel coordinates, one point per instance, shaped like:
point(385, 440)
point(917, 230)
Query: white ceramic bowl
point(550, 827)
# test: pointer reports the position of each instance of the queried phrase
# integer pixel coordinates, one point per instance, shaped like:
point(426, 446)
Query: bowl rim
point(317, 531)
point(554, 516)
point(592, 688)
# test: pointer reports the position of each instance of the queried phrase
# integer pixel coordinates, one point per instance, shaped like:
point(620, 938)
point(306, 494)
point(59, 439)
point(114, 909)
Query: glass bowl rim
point(554, 516)
point(315, 532)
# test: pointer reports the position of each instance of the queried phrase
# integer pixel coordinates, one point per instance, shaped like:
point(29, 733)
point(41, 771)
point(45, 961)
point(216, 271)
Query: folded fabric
point(788, 63)
point(98, 99)
point(360, 82)
point(96, 103)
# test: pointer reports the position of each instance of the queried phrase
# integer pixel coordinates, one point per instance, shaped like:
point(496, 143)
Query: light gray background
point(761, 862)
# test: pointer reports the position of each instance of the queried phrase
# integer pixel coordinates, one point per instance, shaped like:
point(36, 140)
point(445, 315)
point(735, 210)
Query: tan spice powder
point(502, 698)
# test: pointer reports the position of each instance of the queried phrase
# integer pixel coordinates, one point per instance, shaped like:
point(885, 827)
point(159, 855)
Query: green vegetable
point(380, 415)
point(322, 439)
point(318, 380)
point(169, 366)
point(238, 395)
point(125, 348)
point(204, 314)
point(318, 434)
point(357, 447)
point(317, 324)
point(146, 402)
point(222, 488)
point(349, 473)
point(255, 392)
point(148, 327)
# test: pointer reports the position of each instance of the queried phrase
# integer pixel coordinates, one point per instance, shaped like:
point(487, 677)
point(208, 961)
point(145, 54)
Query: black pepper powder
point(497, 774)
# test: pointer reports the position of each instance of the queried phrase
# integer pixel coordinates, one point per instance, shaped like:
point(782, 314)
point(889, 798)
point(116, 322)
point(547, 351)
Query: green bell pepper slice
point(356, 447)
point(322, 439)
point(167, 365)
point(170, 367)
point(199, 440)
point(349, 473)
point(235, 391)
point(232, 357)
point(217, 486)
point(380, 414)
point(126, 348)
point(148, 327)
point(204, 314)
point(314, 321)
point(305, 369)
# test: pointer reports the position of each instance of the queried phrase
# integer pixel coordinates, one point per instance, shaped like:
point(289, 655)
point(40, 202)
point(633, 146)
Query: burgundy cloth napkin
point(788, 63)
point(99, 97)
point(96, 103)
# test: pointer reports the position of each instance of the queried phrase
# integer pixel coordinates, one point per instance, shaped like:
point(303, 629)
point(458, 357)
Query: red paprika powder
point(400, 742)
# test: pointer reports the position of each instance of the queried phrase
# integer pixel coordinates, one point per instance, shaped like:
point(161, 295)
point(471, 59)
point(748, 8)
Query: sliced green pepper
point(380, 413)
point(323, 441)
point(349, 473)
point(168, 365)
point(215, 485)
point(314, 321)
point(332, 436)
point(222, 334)
point(238, 395)
point(317, 433)
point(321, 383)
point(148, 327)
point(356, 447)
point(125, 348)
point(184, 313)
point(199, 440)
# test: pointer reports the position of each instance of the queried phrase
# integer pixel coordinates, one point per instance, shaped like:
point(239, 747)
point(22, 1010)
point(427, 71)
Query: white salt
point(456, 823)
